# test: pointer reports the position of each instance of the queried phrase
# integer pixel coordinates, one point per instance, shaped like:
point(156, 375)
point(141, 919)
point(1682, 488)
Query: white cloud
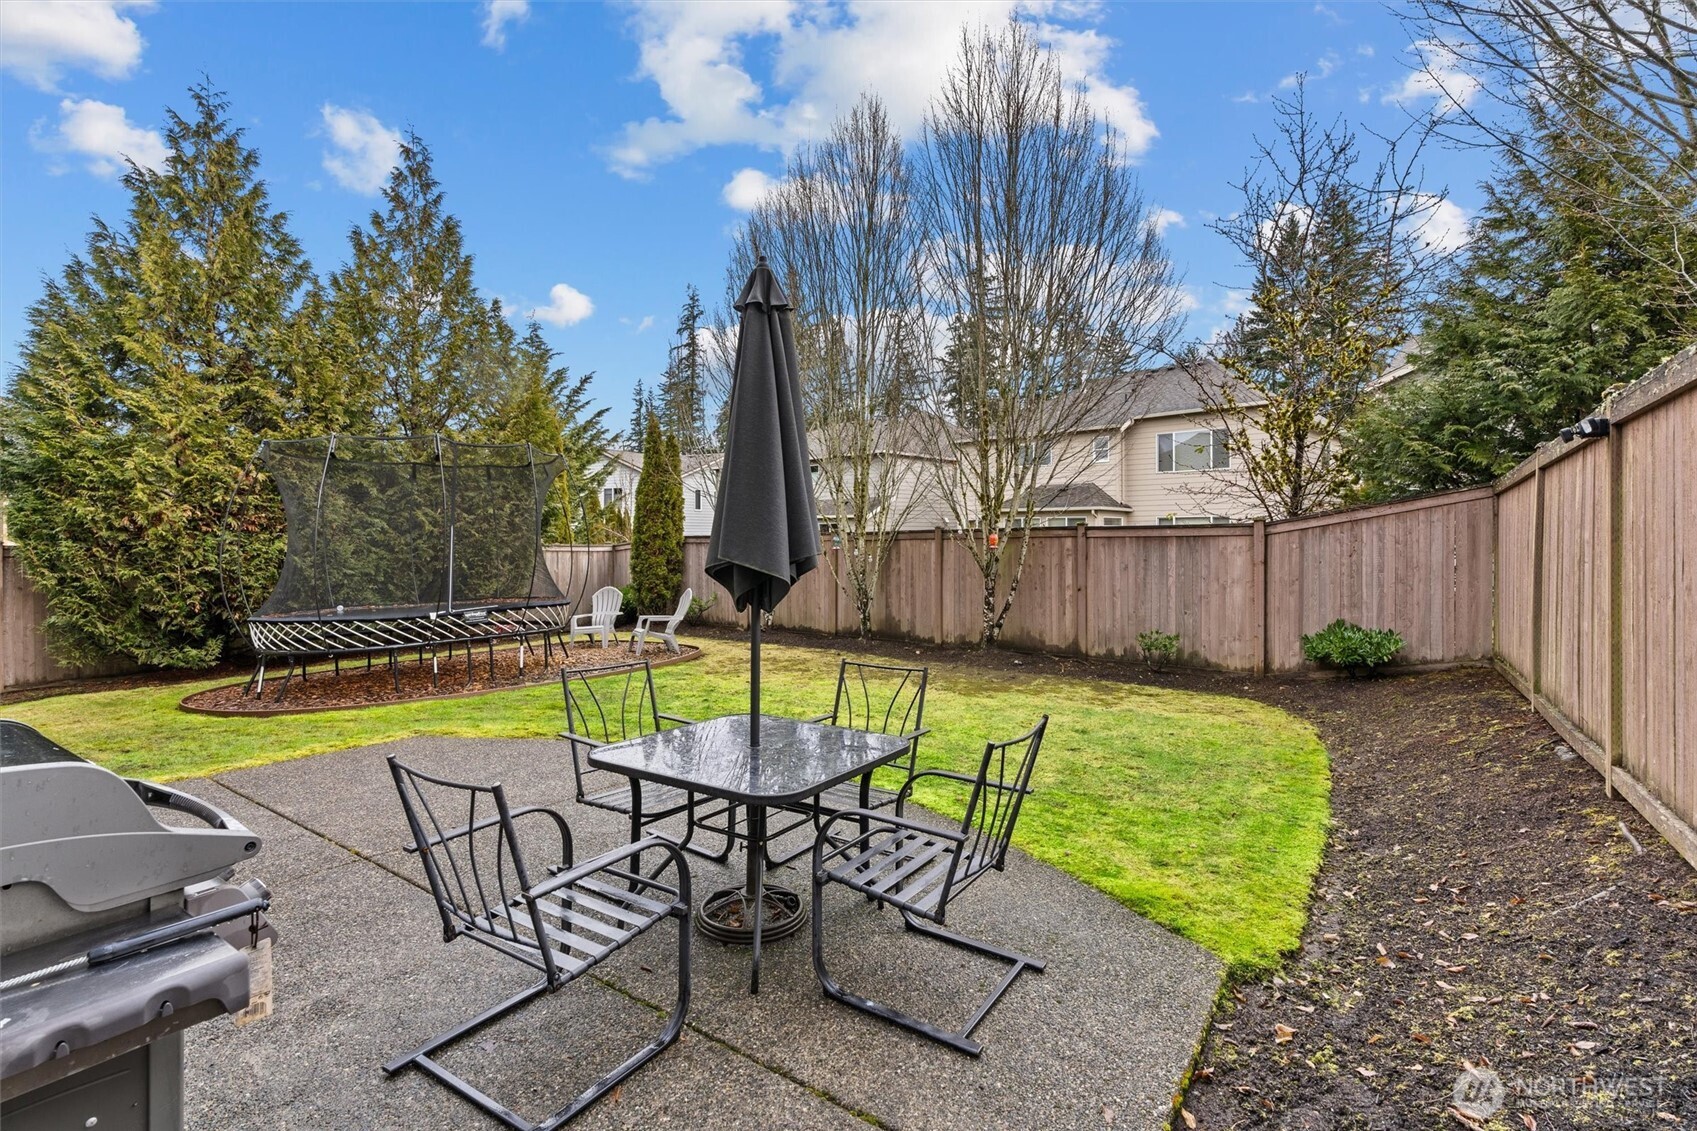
point(1324, 67)
point(1234, 303)
point(821, 58)
point(1186, 299)
point(1329, 14)
point(747, 189)
point(1365, 50)
point(1438, 74)
point(103, 135)
point(1443, 223)
point(497, 14)
point(1248, 97)
point(567, 306)
point(1164, 218)
point(363, 149)
point(638, 326)
point(39, 39)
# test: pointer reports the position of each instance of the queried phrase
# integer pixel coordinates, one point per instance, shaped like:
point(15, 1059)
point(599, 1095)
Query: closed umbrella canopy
point(765, 524)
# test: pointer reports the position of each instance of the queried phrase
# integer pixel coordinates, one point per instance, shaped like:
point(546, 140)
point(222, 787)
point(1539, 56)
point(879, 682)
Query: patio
point(1103, 1038)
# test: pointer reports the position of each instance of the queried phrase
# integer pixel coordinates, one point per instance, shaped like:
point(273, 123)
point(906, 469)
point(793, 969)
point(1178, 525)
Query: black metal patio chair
point(882, 698)
point(562, 926)
point(613, 703)
point(919, 869)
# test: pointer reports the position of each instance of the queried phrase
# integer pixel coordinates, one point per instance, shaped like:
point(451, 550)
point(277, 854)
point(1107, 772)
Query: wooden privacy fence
point(581, 570)
point(1239, 597)
point(1597, 594)
point(24, 658)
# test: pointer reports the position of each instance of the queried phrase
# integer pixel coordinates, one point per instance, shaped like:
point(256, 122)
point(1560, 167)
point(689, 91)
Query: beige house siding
point(1154, 494)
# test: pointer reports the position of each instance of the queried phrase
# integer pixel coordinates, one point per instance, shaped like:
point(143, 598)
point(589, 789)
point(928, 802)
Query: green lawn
point(1204, 813)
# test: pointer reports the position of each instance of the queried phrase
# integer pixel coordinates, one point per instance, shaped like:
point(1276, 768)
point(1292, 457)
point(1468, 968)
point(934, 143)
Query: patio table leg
point(755, 893)
point(635, 829)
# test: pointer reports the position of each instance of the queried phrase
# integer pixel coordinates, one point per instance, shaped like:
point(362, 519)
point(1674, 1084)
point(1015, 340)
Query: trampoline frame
point(389, 630)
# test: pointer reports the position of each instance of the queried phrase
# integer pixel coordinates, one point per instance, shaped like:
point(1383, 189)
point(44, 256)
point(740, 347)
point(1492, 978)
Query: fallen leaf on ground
point(1283, 1033)
point(1189, 1119)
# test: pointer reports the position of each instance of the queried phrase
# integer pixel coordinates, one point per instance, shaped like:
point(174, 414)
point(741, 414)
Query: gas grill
point(117, 933)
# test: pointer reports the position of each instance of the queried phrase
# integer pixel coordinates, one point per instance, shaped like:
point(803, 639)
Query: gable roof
point(1159, 392)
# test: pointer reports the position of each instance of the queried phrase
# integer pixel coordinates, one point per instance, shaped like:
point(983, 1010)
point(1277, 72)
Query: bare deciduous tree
point(1046, 283)
point(1341, 256)
point(1499, 65)
point(840, 232)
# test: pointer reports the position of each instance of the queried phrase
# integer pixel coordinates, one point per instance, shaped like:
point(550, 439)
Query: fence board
point(24, 658)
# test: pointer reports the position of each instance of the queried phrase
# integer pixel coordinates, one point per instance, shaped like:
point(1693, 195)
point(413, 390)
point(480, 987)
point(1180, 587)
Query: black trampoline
point(406, 544)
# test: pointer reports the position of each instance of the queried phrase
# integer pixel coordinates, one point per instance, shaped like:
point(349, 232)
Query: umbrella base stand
point(723, 915)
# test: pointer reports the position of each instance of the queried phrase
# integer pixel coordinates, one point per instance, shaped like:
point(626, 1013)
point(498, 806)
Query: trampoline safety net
point(398, 542)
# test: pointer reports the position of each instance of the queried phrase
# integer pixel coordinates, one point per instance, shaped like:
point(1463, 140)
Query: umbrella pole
point(754, 676)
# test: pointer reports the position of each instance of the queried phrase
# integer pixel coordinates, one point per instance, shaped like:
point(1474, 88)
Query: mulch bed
point(357, 686)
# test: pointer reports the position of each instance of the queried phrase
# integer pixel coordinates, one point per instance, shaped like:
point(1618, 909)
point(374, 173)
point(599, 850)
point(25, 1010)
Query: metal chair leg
point(961, 1039)
point(421, 1058)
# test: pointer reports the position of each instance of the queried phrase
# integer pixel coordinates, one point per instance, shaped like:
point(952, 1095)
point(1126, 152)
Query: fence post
point(1537, 672)
point(1081, 592)
point(1617, 722)
point(938, 622)
point(1258, 593)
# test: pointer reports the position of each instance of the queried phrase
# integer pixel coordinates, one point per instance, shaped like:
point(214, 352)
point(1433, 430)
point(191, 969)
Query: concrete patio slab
point(1100, 1039)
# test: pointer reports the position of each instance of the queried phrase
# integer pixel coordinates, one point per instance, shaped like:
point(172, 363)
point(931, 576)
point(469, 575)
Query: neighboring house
point(1153, 449)
point(902, 474)
point(701, 481)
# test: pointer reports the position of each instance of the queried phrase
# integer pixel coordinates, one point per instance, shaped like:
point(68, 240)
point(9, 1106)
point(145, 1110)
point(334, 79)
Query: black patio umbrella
point(765, 524)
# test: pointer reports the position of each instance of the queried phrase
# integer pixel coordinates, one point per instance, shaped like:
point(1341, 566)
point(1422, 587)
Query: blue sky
point(597, 155)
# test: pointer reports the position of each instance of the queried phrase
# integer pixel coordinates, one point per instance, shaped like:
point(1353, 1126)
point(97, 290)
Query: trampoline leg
point(521, 657)
point(248, 688)
point(491, 660)
point(287, 676)
point(336, 662)
point(435, 681)
point(368, 661)
point(395, 670)
point(470, 657)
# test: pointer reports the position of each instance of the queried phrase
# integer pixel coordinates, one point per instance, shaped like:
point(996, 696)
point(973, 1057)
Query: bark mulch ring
point(357, 686)
point(1483, 908)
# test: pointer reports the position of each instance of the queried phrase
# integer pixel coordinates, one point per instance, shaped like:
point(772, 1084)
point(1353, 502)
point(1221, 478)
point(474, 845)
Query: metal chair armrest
point(467, 830)
point(570, 737)
point(680, 894)
point(969, 779)
point(877, 822)
point(825, 718)
point(676, 719)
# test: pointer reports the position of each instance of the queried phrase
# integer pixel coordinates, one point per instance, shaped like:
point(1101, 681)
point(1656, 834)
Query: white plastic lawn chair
point(661, 626)
point(598, 621)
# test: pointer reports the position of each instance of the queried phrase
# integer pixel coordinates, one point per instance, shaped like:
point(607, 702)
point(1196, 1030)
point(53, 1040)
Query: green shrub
point(1158, 647)
point(698, 608)
point(1348, 646)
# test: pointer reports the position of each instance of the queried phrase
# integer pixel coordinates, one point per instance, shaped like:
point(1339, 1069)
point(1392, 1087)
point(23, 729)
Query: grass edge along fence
point(1596, 578)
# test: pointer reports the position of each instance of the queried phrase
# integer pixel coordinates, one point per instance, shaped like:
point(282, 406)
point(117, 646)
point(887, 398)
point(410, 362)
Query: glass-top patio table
point(794, 761)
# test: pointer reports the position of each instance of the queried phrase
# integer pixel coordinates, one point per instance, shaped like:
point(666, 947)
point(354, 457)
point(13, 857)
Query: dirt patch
point(1483, 904)
point(333, 687)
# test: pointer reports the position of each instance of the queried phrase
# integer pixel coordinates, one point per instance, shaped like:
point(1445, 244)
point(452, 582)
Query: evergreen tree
point(656, 557)
point(420, 344)
point(149, 371)
point(1552, 304)
point(682, 393)
point(641, 409)
point(543, 404)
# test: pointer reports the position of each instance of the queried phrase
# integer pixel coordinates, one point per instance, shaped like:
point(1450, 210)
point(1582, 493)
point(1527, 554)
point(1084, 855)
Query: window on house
point(1112, 520)
point(611, 495)
point(1101, 448)
point(698, 500)
point(1066, 520)
point(1192, 520)
point(1040, 454)
point(1200, 449)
